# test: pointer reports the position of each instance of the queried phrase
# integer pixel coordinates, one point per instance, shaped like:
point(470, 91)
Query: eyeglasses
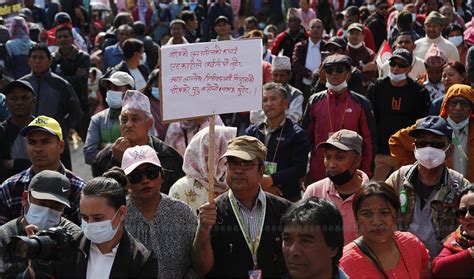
point(151, 173)
point(464, 103)
point(400, 65)
point(246, 165)
point(435, 144)
point(338, 69)
point(461, 212)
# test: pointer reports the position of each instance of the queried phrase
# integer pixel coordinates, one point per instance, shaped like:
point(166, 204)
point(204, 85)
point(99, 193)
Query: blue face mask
point(192, 6)
point(155, 92)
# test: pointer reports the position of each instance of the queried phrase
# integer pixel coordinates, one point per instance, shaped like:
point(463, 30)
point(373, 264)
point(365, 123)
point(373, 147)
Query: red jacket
point(350, 111)
point(449, 264)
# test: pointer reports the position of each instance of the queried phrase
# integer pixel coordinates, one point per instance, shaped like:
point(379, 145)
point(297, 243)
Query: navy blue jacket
point(291, 156)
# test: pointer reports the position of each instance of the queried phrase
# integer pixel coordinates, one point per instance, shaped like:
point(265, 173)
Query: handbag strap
point(360, 243)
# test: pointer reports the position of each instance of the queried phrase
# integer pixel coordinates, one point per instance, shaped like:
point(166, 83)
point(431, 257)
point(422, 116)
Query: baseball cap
point(337, 41)
point(345, 140)
point(434, 124)
point(246, 148)
point(338, 59)
point(50, 185)
point(119, 78)
point(356, 26)
point(18, 83)
point(220, 18)
point(62, 17)
point(402, 54)
point(43, 123)
point(138, 155)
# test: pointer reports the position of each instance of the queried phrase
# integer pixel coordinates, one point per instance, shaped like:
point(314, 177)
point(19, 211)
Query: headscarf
point(19, 28)
point(454, 91)
point(195, 157)
point(458, 241)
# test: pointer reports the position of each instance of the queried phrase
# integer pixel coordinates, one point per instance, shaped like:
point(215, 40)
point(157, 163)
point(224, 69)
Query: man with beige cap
point(238, 235)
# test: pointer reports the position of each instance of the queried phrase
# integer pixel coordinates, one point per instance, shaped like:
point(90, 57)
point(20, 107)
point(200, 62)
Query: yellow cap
point(43, 123)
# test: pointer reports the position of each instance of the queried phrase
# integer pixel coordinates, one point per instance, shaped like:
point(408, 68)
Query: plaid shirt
point(12, 189)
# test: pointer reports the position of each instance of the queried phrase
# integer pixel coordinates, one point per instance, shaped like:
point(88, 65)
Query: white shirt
point(99, 265)
point(140, 81)
point(313, 58)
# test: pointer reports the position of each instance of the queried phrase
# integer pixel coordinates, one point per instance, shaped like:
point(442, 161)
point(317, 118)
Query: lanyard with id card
point(255, 273)
point(271, 167)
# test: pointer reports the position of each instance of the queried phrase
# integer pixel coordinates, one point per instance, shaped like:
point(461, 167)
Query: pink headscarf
point(19, 28)
point(196, 155)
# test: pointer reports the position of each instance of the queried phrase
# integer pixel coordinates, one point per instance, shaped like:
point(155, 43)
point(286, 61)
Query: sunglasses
point(400, 65)
point(151, 173)
point(464, 103)
point(435, 144)
point(461, 212)
point(338, 69)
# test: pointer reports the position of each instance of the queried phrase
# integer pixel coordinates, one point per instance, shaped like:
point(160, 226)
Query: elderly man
point(252, 245)
point(104, 128)
point(45, 144)
point(398, 102)
point(163, 224)
point(434, 25)
point(44, 202)
point(428, 188)
point(341, 109)
point(281, 73)
point(135, 122)
point(286, 142)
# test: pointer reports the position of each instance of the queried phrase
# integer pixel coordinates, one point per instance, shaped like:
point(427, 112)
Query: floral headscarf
point(196, 155)
point(19, 28)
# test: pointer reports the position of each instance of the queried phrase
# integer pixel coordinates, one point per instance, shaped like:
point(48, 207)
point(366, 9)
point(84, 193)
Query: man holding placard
point(238, 236)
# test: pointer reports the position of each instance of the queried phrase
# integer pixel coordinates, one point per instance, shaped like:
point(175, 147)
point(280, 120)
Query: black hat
point(338, 59)
point(337, 41)
point(224, 18)
point(18, 83)
point(403, 54)
point(51, 185)
point(434, 124)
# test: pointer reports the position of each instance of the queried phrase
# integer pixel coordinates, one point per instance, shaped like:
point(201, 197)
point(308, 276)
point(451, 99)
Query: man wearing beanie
point(434, 24)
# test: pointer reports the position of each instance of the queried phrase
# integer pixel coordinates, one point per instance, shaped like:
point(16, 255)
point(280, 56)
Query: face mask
point(143, 59)
point(192, 6)
point(99, 232)
point(163, 6)
point(456, 40)
point(430, 157)
point(359, 45)
point(458, 126)
point(398, 77)
point(371, 7)
point(336, 88)
point(155, 92)
point(398, 6)
point(43, 217)
point(341, 178)
point(413, 18)
point(114, 99)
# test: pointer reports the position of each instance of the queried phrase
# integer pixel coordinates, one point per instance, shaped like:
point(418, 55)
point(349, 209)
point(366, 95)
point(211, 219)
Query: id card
point(270, 167)
point(255, 274)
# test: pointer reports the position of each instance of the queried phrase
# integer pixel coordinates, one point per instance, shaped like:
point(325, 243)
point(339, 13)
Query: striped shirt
point(252, 217)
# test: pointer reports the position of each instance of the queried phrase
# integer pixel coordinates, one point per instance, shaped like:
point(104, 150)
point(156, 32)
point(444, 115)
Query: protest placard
point(211, 78)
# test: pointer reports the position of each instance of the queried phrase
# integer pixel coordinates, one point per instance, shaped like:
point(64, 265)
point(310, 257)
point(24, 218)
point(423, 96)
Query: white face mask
point(99, 232)
point(458, 126)
point(114, 99)
point(336, 88)
point(155, 92)
point(359, 45)
point(43, 217)
point(456, 40)
point(398, 77)
point(430, 157)
point(371, 7)
point(398, 6)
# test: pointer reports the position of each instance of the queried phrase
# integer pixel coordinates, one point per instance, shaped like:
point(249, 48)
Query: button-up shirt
point(313, 58)
point(99, 265)
point(252, 217)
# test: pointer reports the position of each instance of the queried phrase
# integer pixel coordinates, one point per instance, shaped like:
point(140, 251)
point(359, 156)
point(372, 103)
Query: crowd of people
point(358, 165)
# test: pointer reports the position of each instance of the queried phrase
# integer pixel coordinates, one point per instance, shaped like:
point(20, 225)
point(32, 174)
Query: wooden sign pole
point(210, 160)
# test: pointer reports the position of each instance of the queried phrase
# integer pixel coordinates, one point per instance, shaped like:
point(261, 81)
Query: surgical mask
point(458, 126)
point(359, 45)
point(371, 7)
point(43, 217)
point(155, 92)
point(397, 77)
point(341, 178)
point(99, 232)
point(336, 88)
point(430, 157)
point(114, 99)
point(192, 6)
point(143, 59)
point(398, 6)
point(456, 40)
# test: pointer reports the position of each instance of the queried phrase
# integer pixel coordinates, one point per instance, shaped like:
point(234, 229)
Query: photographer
point(43, 204)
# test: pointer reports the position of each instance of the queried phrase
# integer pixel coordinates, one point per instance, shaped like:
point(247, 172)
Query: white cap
point(119, 79)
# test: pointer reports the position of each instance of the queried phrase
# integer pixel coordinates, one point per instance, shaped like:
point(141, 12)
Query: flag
point(385, 52)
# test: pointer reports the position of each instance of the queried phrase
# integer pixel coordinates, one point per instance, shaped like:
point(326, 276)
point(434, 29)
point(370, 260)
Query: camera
point(51, 244)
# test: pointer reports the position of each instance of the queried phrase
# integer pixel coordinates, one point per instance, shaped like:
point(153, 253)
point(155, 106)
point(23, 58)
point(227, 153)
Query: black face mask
point(341, 178)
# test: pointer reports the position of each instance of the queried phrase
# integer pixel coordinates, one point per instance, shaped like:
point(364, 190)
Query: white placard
point(211, 78)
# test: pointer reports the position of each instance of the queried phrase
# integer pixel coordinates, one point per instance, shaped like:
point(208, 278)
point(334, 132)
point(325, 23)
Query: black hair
point(408, 33)
point(121, 19)
point(130, 47)
point(111, 186)
point(139, 28)
point(275, 86)
point(39, 47)
point(379, 189)
point(452, 27)
point(323, 214)
point(152, 78)
point(64, 28)
point(188, 16)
